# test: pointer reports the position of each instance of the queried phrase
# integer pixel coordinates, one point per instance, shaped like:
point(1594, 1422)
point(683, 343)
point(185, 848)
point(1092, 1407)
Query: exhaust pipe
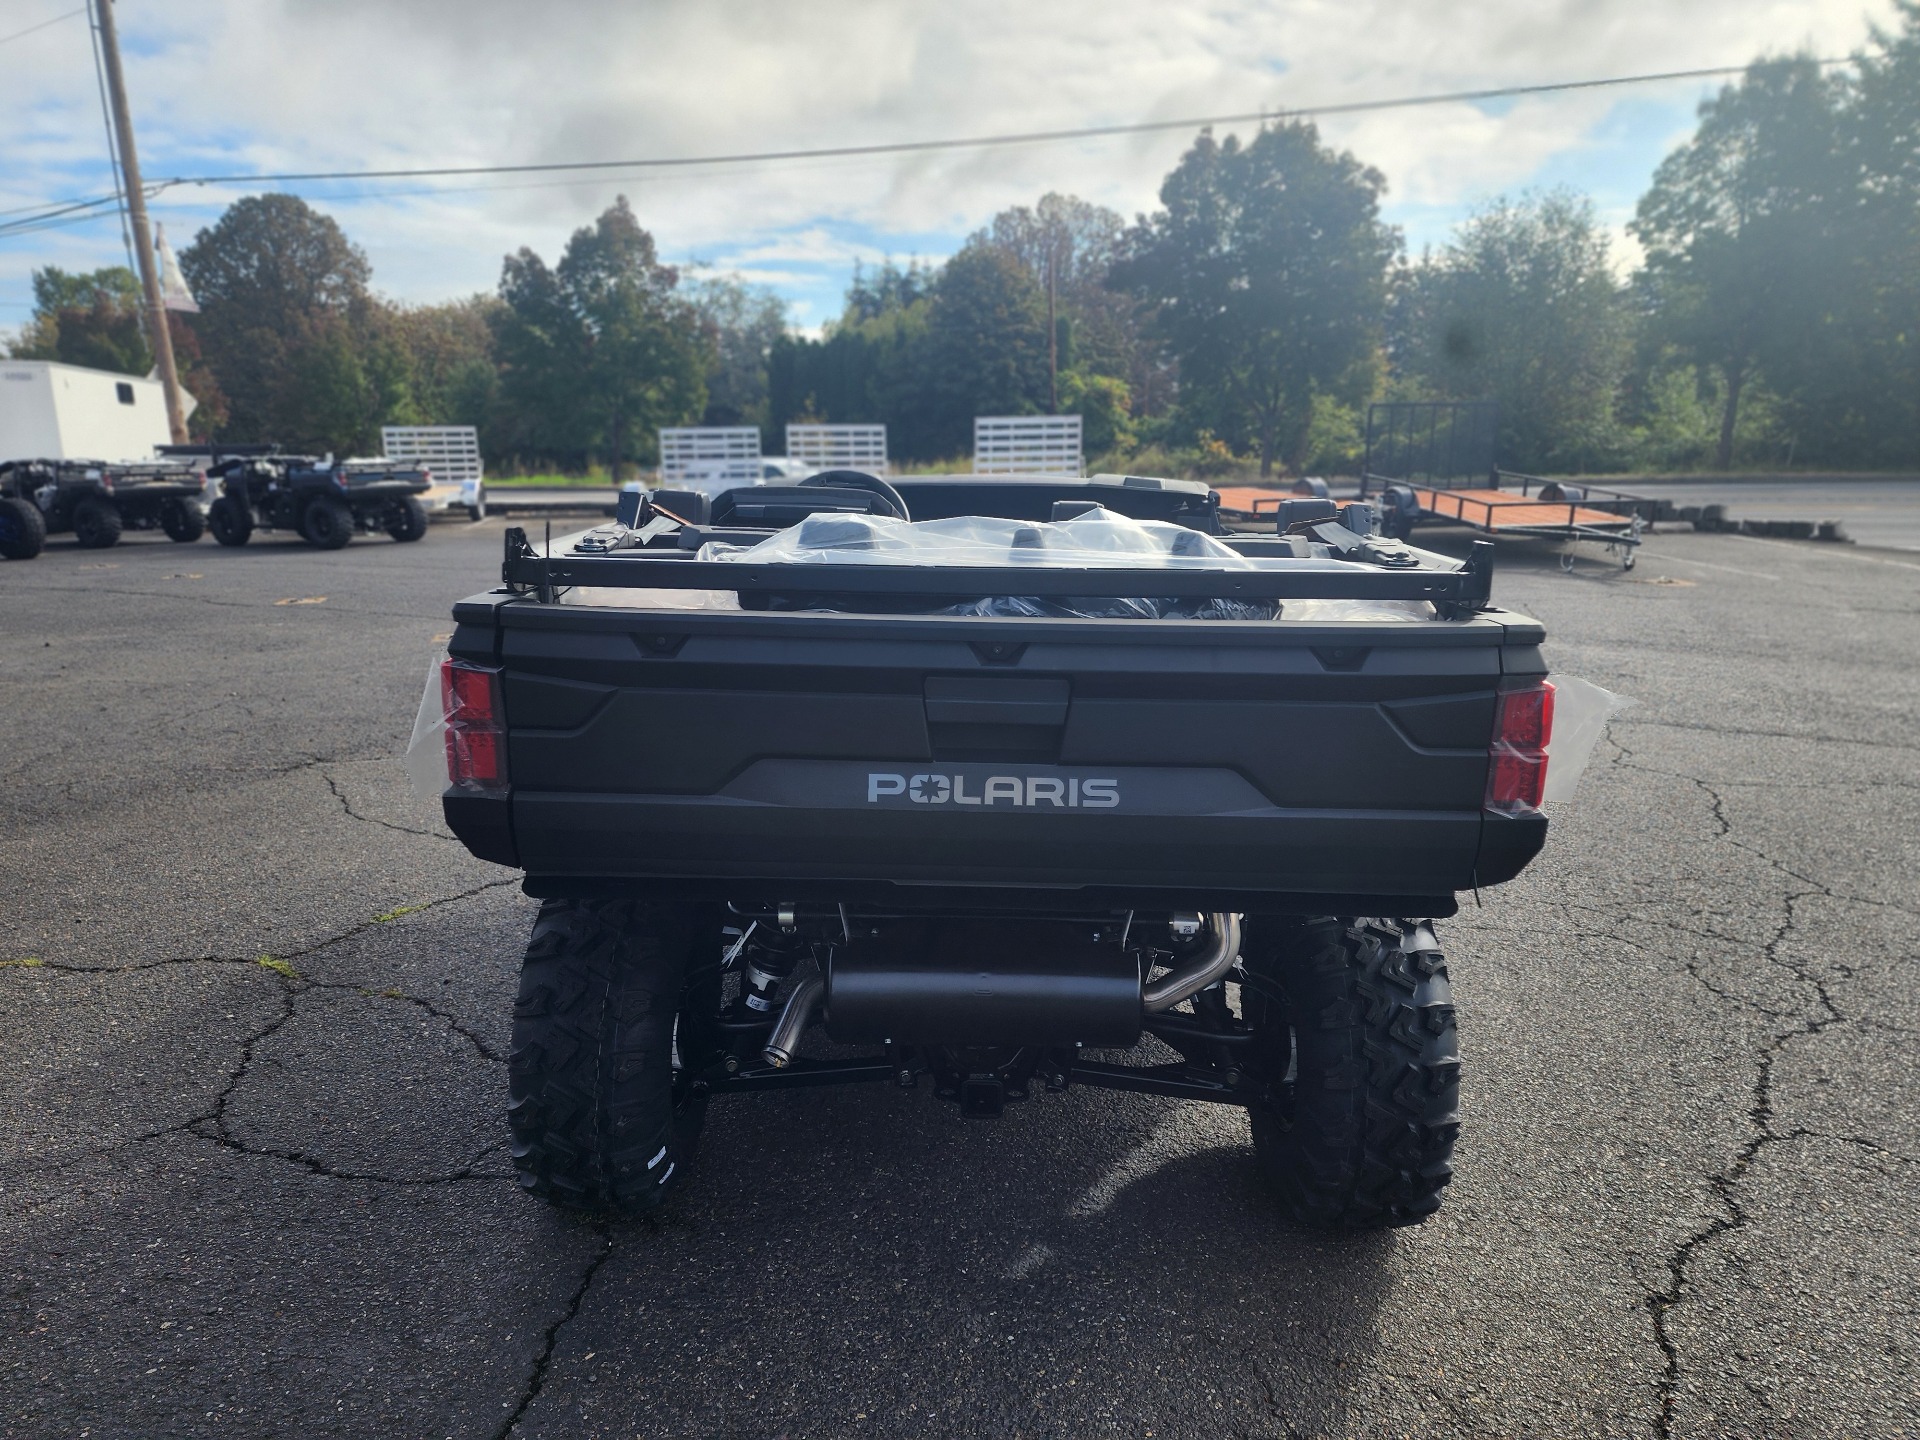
point(1211, 961)
point(1214, 960)
point(794, 1019)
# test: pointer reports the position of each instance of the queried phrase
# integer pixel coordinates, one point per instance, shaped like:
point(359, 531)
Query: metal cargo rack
point(1456, 591)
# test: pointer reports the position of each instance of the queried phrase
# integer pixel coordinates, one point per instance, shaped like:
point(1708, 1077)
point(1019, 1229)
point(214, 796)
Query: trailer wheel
point(478, 510)
point(409, 521)
point(183, 521)
point(327, 523)
point(23, 529)
point(96, 524)
point(602, 1120)
point(230, 521)
point(1360, 1013)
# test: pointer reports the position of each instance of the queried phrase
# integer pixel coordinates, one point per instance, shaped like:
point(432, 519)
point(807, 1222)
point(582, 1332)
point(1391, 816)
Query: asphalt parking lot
point(254, 1004)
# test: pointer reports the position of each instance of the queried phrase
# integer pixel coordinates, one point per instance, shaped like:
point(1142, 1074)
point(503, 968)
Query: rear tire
point(183, 520)
point(327, 523)
point(601, 1119)
point(478, 510)
point(1362, 1009)
point(412, 522)
point(230, 521)
point(23, 529)
point(96, 525)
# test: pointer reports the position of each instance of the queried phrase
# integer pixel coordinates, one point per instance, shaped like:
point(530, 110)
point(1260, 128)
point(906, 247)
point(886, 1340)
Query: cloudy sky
point(221, 87)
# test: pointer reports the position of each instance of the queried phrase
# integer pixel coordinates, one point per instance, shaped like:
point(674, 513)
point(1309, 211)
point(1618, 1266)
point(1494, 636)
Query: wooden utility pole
point(1053, 333)
point(158, 333)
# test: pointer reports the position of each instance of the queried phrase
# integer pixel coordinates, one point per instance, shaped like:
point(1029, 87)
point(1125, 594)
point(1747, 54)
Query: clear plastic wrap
point(426, 758)
point(1116, 607)
point(1353, 611)
point(1581, 710)
point(1097, 539)
point(618, 598)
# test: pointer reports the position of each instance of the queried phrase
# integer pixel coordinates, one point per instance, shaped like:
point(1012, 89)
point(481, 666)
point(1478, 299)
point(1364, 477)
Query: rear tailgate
point(1236, 759)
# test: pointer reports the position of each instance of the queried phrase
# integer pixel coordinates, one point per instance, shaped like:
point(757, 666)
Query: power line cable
point(31, 223)
point(44, 24)
point(975, 142)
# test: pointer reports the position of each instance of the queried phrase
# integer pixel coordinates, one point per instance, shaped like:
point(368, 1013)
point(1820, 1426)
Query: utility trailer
point(1434, 460)
point(1519, 506)
point(997, 785)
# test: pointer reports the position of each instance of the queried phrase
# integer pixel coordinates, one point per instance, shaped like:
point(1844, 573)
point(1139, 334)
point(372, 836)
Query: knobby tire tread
point(1375, 1104)
point(591, 1098)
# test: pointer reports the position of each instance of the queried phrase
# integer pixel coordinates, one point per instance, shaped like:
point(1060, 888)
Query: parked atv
point(323, 500)
point(99, 500)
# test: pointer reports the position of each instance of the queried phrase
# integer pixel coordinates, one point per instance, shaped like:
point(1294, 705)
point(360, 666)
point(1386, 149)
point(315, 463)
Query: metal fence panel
point(731, 452)
point(1027, 445)
point(451, 452)
point(840, 447)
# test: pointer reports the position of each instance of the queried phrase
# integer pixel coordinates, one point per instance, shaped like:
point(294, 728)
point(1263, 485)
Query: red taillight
point(476, 736)
point(1517, 759)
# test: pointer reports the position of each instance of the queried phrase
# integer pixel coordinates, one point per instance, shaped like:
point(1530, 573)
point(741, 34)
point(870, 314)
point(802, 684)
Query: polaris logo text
point(1026, 791)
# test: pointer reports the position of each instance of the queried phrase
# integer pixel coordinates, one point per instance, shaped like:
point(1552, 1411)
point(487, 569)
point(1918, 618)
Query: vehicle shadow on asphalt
point(1088, 1262)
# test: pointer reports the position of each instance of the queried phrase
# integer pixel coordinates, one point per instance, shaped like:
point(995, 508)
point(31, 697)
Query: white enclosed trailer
point(50, 411)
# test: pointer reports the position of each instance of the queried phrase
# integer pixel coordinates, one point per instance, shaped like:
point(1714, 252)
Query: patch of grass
point(397, 912)
point(25, 962)
point(279, 967)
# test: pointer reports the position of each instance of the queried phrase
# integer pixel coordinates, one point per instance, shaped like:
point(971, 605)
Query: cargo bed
point(1243, 764)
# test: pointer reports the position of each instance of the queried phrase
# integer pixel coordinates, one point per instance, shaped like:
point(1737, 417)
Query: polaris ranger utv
point(999, 784)
point(98, 500)
point(324, 500)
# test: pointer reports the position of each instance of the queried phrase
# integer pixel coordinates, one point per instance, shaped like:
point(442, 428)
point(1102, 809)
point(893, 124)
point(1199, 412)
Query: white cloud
point(268, 85)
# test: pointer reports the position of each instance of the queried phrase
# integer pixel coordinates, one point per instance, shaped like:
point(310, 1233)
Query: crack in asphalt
point(1293, 1432)
point(1725, 1182)
point(1738, 731)
point(211, 1125)
point(452, 1022)
point(352, 814)
point(537, 1374)
point(133, 967)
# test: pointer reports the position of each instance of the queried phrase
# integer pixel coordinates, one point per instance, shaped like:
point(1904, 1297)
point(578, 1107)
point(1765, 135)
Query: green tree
point(1522, 307)
point(1881, 127)
point(599, 350)
point(272, 276)
point(1104, 408)
point(742, 324)
point(986, 343)
point(448, 353)
point(1267, 267)
point(94, 319)
point(1742, 272)
point(1070, 245)
point(86, 318)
